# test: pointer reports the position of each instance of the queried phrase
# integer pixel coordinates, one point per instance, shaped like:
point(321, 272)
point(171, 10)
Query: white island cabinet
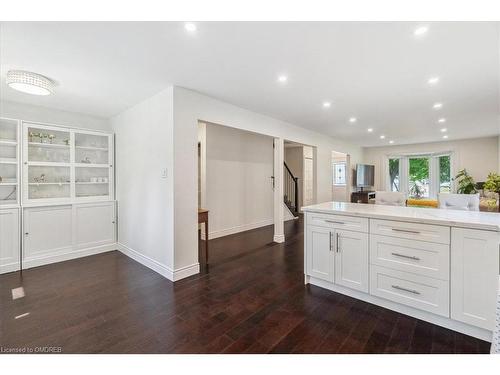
point(440, 266)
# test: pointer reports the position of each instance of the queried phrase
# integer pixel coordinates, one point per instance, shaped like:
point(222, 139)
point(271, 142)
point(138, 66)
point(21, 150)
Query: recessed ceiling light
point(282, 78)
point(445, 137)
point(420, 30)
point(444, 130)
point(191, 27)
point(442, 120)
point(352, 120)
point(327, 104)
point(29, 82)
point(369, 130)
point(391, 141)
point(437, 105)
point(382, 137)
point(433, 80)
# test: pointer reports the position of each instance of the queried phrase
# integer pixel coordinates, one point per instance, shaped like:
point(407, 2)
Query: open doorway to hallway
point(341, 177)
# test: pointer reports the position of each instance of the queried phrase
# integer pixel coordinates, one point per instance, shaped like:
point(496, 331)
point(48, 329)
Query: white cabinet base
point(407, 310)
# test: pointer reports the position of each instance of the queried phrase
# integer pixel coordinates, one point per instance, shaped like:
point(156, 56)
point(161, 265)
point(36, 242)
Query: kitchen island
point(437, 265)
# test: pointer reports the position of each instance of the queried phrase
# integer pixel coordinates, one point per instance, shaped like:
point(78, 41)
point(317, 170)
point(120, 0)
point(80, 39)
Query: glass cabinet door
point(91, 149)
point(49, 182)
point(47, 145)
point(9, 151)
point(92, 182)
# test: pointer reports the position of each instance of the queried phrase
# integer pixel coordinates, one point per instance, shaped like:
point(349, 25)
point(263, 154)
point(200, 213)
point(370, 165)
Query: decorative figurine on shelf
point(66, 142)
point(31, 135)
point(51, 137)
point(86, 160)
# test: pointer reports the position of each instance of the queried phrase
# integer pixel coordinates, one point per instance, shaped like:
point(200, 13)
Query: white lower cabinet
point(319, 253)
point(58, 233)
point(351, 259)
point(9, 240)
point(474, 276)
point(338, 256)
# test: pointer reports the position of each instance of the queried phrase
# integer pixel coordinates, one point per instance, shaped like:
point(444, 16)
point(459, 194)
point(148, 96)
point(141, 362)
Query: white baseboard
point(11, 267)
point(71, 254)
point(407, 310)
point(238, 229)
point(165, 271)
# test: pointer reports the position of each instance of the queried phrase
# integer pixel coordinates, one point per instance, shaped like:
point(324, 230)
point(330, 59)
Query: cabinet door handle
point(404, 289)
point(331, 241)
point(406, 256)
point(334, 222)
point(337, 242)
point(405, 231)
point(26, 233)
point(112, 222)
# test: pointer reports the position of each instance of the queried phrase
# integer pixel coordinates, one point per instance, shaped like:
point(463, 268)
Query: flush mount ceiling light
point(369, 130)
point(391, 142)
point(189, 26)
point(442, 120)
point(437, 105)
point(419, 31)
point(282, 78)
point(433, 81)
point(29, 82)
point(327, 104)
point(382, 137)
point(445, 137)
point(352, 120)
point(444, 130)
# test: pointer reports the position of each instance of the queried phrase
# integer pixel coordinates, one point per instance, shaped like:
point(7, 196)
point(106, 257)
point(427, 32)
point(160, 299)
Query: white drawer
point(412, 231)
point(419, 257)
point(358, 224)
point(420, 292)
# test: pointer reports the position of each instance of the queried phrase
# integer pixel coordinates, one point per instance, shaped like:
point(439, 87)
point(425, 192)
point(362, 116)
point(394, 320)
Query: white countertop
point(455, 218)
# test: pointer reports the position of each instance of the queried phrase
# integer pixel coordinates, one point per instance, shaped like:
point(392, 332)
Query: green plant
point(493, 184)
point(466, 184)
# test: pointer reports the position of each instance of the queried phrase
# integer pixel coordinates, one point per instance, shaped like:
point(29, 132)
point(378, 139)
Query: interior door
point(351, 259)
point(319, 262)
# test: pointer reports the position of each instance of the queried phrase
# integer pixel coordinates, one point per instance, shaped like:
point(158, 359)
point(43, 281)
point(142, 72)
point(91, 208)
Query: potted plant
point(492, 184)
point(466, 184)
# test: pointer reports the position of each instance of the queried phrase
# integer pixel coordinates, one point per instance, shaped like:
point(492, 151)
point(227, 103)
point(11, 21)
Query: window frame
point(404, 164)
point(334, 164)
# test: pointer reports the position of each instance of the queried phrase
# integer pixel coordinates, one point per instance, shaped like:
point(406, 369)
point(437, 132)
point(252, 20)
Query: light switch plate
point(164, 173)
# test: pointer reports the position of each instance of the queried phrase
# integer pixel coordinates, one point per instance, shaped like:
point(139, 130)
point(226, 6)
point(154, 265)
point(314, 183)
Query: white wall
point(479, 156)
point(189, 108)
point(239, 192)
point(53, 116)
point(144, 147)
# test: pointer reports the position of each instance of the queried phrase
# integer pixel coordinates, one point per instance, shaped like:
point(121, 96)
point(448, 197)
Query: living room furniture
point(390, 198)
point(464, 202)
point(362, 196)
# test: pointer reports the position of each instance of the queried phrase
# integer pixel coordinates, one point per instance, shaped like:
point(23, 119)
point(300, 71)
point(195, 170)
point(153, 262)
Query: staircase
point(291, 190)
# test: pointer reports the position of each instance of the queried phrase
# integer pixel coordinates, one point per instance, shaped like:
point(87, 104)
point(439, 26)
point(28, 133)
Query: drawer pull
point(331, 234)
point(405, 256)
point(405, 231)
point(334, 222)
point(338, 243)
point(404, 289)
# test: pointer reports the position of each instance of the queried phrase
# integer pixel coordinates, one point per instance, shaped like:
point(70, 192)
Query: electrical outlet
point(164, 173)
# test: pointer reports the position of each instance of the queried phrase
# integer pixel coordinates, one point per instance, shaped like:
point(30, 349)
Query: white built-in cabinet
point(337, 255)
point(475, 268)
point(9, 240)
point(56, 193)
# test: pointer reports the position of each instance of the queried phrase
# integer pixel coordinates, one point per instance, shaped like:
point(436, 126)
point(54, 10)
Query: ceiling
point(374, 71)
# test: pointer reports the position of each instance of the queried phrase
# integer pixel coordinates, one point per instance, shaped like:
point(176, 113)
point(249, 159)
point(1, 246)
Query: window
point(339, 174)
point(420, 175)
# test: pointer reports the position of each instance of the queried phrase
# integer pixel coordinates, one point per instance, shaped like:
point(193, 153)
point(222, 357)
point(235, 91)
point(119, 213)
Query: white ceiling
point(376, 72)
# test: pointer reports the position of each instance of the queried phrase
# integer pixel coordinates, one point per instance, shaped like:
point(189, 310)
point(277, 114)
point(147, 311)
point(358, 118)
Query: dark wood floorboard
point(251, 299)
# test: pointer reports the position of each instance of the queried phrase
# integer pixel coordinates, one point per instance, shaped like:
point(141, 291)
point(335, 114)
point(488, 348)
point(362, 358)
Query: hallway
point(251, 301)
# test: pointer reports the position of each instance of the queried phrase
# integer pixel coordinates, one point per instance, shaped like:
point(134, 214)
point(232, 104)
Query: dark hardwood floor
point(251, 300)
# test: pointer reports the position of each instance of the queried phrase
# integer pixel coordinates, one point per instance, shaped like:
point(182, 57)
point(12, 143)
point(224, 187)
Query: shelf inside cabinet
point(8, 160)
point(8, 142)
point(48, 145)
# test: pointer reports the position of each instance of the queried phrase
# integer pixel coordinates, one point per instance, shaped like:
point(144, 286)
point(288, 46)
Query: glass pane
point(8, 193)
point(8, 130)
point(419, 177)
point(444, 174)
point(48, 182)
point(48, 145)
point(91, 149)
point(8, 173)
point(91, 182)
point(395, 183)
point(339, 174)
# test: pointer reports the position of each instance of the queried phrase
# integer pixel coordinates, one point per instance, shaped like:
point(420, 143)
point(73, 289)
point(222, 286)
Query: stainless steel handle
point(26, 233)
point(334, 222)
point(405, 256)
point(406, 290)
point(331, 241)
point(405, 231)
point(112, 222)
point(338, 243)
